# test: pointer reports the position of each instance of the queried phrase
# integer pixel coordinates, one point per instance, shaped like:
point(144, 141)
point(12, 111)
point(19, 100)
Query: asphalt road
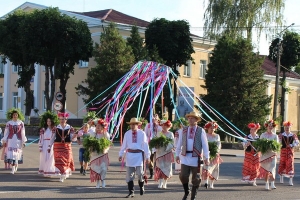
point(27, 184)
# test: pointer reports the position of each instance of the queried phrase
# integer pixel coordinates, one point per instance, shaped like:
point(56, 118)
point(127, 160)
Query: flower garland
point(48, 115)
point(213, 150)
point(265, 145)
point(93, 144)
point(161, 141)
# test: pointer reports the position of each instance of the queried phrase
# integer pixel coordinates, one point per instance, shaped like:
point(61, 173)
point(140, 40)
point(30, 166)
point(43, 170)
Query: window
point(187, 69)
point(83, 64)
point(15, 99)
point(203, 68)
point(15, 68)
point(1, 101)
point(1, 65)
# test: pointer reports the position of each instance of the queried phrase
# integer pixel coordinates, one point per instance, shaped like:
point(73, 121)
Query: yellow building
point(192, 75)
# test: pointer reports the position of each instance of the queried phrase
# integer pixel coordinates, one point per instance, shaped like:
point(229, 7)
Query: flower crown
point(211, 124)
point(61, 114)
point(102, 123)
point(272, 122)
point(287, 123)
point(166, 122)
point(253, 125)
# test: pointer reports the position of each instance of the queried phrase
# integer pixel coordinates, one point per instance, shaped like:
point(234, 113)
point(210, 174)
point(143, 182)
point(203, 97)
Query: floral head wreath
point(253, 125)
point(287, 123)
point(102, 123)
point(167, 123)
point(61, 114)
point(214, 125)
point(272, 122)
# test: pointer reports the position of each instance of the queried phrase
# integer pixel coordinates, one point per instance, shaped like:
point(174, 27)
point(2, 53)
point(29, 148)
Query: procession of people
point(192, 145)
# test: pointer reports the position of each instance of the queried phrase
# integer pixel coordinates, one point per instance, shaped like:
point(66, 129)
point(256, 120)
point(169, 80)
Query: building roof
point(269, 68)
point(112, 15)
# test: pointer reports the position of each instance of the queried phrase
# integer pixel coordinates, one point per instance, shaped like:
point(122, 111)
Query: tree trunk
point(49, 96)
point(62, 89)
point(282, 100)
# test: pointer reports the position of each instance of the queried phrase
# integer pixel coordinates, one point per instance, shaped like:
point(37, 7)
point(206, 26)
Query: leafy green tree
point(289, 58)
point(59, 42)
point(173, 42)
point(15, 47)
point(240, 17)
point(136, 42)
point(114, 58)
point(235, 84)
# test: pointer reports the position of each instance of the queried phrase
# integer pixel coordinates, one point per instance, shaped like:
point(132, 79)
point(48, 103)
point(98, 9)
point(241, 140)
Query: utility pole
point(279, 47)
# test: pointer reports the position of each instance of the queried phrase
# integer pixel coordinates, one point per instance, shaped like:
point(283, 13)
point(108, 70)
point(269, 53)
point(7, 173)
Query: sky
point(190, 10)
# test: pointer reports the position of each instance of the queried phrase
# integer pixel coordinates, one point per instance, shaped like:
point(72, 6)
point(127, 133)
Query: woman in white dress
point(99, 161)
point(47, 167)
point(14, 140)
point(212, 170)
point(268, 160)
point(164, 156)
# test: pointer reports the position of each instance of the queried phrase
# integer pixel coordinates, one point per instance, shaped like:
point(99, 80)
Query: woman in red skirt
point(251, 162)
point(288, 141)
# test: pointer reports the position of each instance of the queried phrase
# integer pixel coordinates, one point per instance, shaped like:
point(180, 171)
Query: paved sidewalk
point(240, 153)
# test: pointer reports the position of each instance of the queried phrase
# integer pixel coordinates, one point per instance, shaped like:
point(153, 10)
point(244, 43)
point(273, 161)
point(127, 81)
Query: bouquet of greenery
point(161, 141)
point(213, 149)
point(89, 116)
point(93, 144)
point(264, 145)
point(178, 123)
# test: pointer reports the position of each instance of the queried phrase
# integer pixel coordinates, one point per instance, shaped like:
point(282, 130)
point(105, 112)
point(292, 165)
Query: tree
point(136, 42)
point(15, 47)
point(58, 41)
point(240, 17)
point(114, 59)
point(173, 41)
point(235, 84)
point(289, 58)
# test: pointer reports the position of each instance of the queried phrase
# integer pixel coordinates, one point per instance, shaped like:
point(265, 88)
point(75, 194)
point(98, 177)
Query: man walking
point(135, 145)
point(192, 140)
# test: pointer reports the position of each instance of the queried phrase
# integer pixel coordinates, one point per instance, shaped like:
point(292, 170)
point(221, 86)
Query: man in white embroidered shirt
point(192, 140)
point(135, 145)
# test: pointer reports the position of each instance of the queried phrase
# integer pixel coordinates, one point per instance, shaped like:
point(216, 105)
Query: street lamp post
point(279, 46)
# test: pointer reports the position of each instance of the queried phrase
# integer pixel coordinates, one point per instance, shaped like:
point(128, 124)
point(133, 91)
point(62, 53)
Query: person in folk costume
point(211, 171)
point(64, 134)
point(288, 141)
point(135, 145)
point(251, 165)
point(99, 161)
point(14, 140)
point(82, 133)
point(176, 136)
point(47, 167)
point(268, 159)
point(152, 130)
point(164, 156)
point(191, 142)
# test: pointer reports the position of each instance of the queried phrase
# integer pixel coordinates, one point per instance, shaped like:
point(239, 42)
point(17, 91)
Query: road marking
point(9, 192)
point(49, 190)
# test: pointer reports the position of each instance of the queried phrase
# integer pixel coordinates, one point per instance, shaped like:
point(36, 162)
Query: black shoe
point(194, 192)
point(186, 191)
point(142, 189)
point(206, 185)
point(130, 195)
point(84, 173)
point(81, 170)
